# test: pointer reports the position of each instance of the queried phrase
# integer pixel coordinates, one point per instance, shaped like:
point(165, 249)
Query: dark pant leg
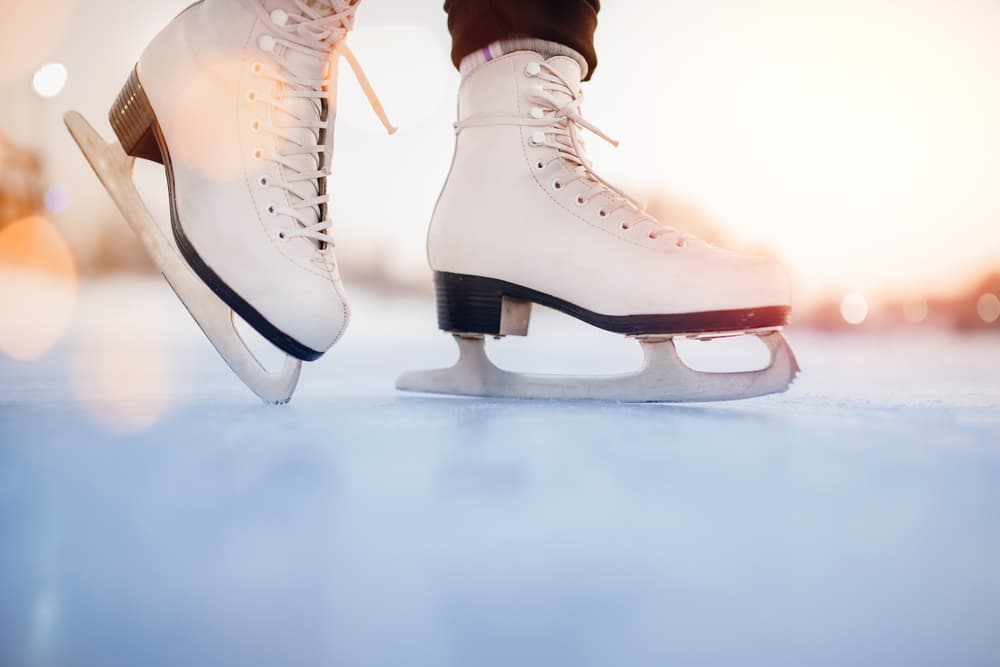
point(477, 23)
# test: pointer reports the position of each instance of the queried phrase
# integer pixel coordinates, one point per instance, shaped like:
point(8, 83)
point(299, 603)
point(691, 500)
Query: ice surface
point(157, 514)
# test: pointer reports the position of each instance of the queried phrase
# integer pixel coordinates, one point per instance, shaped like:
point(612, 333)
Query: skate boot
point(524, 218)
point(236, 98)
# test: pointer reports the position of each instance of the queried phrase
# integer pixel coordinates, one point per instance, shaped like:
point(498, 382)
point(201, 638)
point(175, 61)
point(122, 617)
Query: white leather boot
point(235, 98)
point(524, 217)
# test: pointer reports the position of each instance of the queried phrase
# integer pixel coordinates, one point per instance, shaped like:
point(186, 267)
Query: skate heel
point(476, 305)
point(134, 122)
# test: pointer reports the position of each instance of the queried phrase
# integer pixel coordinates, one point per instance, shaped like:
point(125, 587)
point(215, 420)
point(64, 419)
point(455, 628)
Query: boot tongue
point(569, 69)
point(570, 72)
point(326, 7)
point(309, 67)
point(299, 137)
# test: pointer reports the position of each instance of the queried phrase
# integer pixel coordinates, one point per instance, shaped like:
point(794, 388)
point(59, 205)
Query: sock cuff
point(504, 46)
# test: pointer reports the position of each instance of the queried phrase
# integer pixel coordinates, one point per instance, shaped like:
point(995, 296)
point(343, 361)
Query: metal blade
point(662, 378)
point(114, 168)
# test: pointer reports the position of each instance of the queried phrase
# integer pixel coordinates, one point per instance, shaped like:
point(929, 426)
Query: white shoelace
point(313, 42)
point(559, 129)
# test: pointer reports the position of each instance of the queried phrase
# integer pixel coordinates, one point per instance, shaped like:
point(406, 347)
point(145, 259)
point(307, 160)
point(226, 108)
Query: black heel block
point(477, 305)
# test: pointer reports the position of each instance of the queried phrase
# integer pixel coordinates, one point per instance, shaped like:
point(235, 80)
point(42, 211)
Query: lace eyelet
point(580, 201)
point(540, 165)
point(272, 210)
point(626, 226)
point(557, 185)
point(282, 236)
point(652, 236)
point(602, 213)
point(258, 68)
point(533, 69)
point(279, 18)
point(255, 126)
point(538, 139)
point(267, 43)
point(262, 181)
point(251, 96)
point(258, 154)
point(537, 113)
point(681, 243)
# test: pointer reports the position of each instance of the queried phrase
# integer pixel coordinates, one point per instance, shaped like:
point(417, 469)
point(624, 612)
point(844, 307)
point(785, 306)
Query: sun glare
point(842, 135)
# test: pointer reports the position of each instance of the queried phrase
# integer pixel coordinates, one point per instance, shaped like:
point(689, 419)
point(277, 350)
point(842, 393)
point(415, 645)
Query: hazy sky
point(859, 139)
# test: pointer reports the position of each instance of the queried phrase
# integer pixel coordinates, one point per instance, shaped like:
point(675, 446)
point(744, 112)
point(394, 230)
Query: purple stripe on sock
point(487, 54)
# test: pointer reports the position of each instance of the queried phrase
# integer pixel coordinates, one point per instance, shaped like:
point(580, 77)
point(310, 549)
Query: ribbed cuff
point(543, 47)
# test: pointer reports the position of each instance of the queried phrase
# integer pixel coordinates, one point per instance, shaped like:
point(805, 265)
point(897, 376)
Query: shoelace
point(559, 129)
point(319, 36)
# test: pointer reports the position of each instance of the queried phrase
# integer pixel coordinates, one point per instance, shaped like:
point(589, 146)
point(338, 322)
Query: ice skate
point(524, 218)
point(237, 100)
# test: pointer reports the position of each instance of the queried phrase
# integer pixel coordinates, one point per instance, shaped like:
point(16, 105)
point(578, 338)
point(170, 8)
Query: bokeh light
point(49, 80)
point(915, 310)
point(854, 308)
point(57, 199)
point(38, 288)
point(988, 307)
point(122, 375)
point(198, 143)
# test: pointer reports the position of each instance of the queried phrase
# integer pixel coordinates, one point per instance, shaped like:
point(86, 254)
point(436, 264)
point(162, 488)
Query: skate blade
point(217, 320)
point(662, 378)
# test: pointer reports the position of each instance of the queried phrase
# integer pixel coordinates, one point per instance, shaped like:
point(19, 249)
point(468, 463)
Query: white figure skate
point(237, 99)
point(523, 218)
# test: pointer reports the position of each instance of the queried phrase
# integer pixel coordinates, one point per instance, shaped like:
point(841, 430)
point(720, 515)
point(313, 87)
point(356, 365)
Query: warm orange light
point(38, 288)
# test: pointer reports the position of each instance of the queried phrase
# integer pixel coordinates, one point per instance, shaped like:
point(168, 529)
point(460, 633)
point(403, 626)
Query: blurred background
point(857, 141)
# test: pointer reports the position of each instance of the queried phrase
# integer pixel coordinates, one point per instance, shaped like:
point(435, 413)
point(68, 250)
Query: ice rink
point(153, 512)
